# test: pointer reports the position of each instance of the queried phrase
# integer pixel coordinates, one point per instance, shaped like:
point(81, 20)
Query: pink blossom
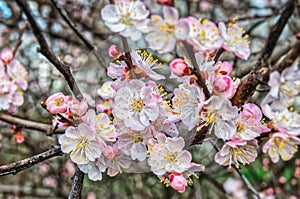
point(165, 32)
point(235, 41)
point(224, 86)
point(168, 156)
point(116, 70)
point(19, 137)
point(81, 143)
point(204, 35)
point(18, 73)
point(57, 103)
point(110, 152)
point(114, 52)
point(94, 169)
point(78, 108)
point(6, 56)
point(179, 67)
point(237, 151)
point(220, 115)
point(224, 68)
point(106, 91)
point(178, 182)
point(126, 17)
point(136, 104)
point(281, 145)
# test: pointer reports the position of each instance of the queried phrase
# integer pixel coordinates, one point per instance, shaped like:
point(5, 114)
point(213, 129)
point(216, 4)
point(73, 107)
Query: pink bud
point(165, 2)
point(6, 56)
point(57, 103)
point(178, 182)
point(224, 86)
point(114, 52)
point(224, 68)
point(179, 67)
point(297, 172)
point(110, 152)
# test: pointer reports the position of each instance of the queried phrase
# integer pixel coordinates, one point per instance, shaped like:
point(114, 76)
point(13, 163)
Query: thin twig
point(48, 53)
point(77, 184)
point(63, 13)
point(30, 124)
point(15, 167)
point(21, 31)
point(248, 85)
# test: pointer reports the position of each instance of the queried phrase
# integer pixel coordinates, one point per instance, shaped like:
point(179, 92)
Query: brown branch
point(77, 184)
point(19, 41)
point(15, 167)
point(200, 80)
point(248, 86)
point(48, 53)
point(63, 13)
point(49, 129)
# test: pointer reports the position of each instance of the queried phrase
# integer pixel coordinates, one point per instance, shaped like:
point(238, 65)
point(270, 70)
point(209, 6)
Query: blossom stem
point(200, 79)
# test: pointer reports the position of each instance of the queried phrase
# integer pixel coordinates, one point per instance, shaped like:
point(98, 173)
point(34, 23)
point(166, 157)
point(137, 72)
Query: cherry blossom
point(178, 182)
point(204, 35)
point(93, 169)
point(179, 67)
point(283, 87)
point(169, 156)
point(18, 73)
point(106, 91)
point(187, 103)
point(234, 41)
point(126, 17)
point(57, 103)
point(237, 151)
point(145, 65)
point(164, 32)
point(221, 116)
point(81, 143)
point(282, 145)
point(136, 104)
point(249, 122)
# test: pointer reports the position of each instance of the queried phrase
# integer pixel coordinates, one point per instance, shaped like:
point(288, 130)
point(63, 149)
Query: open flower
point(164, 32)
point(234, 41)
point(221, 115)
point(281, 145)
point(81, 143)
point(237, 151)
point(168, 156)
point(187, 103)
point(249, 122)
point(283, 87)
point(204, 35)
point(136, 104)
point(145, 65)
point(93, 169)
point(18, 73)
point(125, 16)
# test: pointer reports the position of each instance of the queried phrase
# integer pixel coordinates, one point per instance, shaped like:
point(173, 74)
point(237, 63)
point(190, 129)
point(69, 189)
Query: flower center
point(138, 105)
point(171, 157)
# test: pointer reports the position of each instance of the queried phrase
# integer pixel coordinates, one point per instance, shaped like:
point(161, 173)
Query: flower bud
point(114, 52)
point(224, 68)
point(178, 182)
point(6, 56)
point(179, 67)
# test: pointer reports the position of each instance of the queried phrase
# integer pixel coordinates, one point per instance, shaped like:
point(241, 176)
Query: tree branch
point(248, 86)
point(30, 124)
point(15, 167)
point(48, 53)
point(77, 184)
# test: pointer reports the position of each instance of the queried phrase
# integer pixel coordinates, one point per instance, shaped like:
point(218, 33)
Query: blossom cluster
point(13, 81)
point(138, 120)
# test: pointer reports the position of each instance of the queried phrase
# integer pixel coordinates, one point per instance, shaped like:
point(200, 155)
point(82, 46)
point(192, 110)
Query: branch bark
point(77, 184)
point(30, 124)
point(15, 167)
point(48, 53)
point(248, 86)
